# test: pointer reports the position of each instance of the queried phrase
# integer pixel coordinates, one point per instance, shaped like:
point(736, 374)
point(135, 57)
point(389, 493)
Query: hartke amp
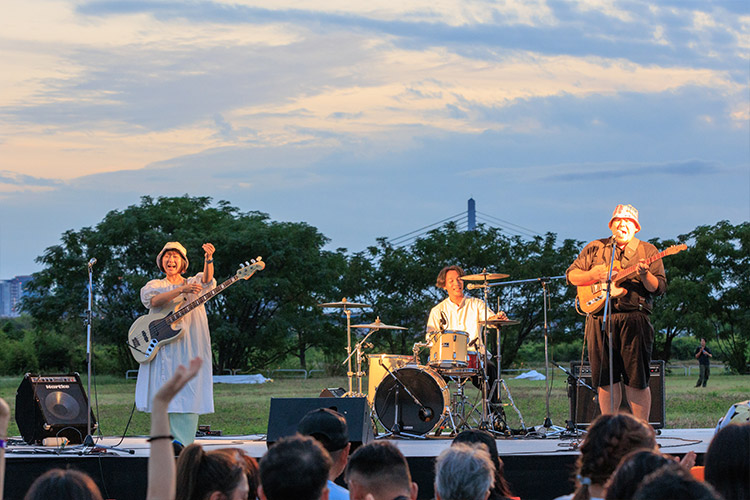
point(584, 406)
point(286, 413)
point(52, 406)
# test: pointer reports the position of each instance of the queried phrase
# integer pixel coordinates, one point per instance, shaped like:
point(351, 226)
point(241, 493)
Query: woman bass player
point(195, 341)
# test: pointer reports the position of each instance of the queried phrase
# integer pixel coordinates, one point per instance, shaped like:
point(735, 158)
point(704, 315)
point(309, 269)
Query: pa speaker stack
point(52, 406)
point(584, 404)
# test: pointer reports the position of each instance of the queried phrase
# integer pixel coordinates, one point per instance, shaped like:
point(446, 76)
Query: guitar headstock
point(249, 268)
point(675, 248)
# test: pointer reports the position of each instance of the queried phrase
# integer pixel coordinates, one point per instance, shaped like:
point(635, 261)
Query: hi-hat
point(378, 325)
point(344, 304)
point(494, 323)
point(484, 277)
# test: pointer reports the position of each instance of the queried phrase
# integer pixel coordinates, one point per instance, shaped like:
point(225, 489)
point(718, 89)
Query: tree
point(709, 291)
point(253, 323)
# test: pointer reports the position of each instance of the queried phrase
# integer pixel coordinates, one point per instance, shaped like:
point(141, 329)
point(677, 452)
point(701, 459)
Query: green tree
point(709, 291)
point(254, 324)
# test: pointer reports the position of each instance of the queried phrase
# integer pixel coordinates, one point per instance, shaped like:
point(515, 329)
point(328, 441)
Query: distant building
point(11, 292)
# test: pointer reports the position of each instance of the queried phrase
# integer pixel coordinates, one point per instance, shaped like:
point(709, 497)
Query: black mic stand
point(607, 325)
point(424, 412)
point(89, 445)
point(571, 427)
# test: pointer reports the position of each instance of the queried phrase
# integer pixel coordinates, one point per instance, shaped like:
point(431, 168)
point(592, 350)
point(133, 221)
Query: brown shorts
point(632, 343)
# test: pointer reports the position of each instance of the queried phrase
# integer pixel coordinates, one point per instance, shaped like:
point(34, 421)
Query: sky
point(374, 119)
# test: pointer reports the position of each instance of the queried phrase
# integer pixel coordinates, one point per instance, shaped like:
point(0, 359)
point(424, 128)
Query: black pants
point(705, 372)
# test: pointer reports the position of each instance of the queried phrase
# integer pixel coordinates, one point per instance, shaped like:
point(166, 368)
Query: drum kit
point(410, 399)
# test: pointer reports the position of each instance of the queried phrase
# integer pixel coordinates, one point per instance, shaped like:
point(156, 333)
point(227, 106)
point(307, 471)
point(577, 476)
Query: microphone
point(92, 261)
point(474, 286)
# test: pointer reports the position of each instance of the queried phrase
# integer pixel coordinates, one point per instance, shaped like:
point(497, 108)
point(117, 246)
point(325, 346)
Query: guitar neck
point(200, 300)
point(629, 272)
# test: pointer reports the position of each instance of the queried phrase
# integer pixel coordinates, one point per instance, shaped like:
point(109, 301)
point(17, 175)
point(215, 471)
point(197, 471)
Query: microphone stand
point(607, 325)
point(89, 445)
point(423, 410)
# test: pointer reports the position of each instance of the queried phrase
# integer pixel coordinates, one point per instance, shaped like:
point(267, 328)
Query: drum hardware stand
point(459, 402)
point(396, 429)
point(359, 373)
point(346, 306)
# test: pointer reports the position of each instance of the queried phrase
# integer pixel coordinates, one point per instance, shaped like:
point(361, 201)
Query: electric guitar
point(148, 333)
point(590, 298)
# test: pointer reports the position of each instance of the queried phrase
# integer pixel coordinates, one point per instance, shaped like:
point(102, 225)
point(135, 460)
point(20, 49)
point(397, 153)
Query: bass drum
point(426, 385)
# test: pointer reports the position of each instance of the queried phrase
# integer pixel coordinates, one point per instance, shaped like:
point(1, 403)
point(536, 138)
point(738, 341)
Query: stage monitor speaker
point(286, 413)
point(52, 406)
point(584, 404)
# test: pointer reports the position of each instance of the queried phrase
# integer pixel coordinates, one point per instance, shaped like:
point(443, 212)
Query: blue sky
point(375, 119)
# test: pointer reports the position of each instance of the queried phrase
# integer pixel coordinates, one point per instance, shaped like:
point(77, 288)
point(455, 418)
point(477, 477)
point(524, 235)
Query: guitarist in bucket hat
point(175, 289)
point(630, 307)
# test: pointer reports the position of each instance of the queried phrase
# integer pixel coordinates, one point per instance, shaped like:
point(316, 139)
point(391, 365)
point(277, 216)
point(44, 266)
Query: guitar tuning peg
point(259, 258)
point(247, 263)
point(242, 265)
point(252, 261)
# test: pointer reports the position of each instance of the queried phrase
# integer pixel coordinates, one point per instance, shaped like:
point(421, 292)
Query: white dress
point(197, 396)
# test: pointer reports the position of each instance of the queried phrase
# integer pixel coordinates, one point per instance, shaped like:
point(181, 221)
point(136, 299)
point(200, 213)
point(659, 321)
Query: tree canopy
point(275, 315)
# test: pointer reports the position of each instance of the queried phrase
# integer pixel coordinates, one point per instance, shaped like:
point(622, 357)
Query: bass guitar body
point(150, 332)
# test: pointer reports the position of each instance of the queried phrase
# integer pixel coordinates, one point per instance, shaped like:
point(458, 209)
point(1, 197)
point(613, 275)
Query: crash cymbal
point(344, 304)
point(500, 322)
point(378, 325)
point(484, 277)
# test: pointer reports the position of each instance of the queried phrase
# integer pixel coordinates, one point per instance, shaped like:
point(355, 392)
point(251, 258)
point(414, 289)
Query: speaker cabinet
point(52, 406)
point(584, 404)
point(286, 413)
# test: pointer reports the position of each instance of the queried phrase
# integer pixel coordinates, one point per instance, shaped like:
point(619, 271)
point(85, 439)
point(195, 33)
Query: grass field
point(243, 409)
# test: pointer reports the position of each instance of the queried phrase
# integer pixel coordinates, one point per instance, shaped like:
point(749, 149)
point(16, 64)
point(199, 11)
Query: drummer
point(458, 312)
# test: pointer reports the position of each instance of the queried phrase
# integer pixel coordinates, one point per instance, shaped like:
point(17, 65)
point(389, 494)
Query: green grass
point(243, 409)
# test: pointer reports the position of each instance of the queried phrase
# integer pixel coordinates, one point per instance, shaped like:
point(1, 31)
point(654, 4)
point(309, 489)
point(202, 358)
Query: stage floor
point(535, 467)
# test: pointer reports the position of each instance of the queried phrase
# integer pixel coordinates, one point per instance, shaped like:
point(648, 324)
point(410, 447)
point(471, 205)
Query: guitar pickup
point(135, 343)
point(144, 335)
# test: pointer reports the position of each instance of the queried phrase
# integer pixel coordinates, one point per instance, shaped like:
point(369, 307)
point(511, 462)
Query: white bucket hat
point(625, 212)
point(177, 247)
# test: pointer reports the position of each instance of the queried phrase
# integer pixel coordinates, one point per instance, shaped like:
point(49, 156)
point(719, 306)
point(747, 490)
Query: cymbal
point(500, 322)
point(484, 277)
point(344, 304)
point(378, 325)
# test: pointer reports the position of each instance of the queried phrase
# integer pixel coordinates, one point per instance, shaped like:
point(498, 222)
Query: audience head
point(632, 469)
point(728, 462)
point(249, 466)
point(672, 481)
point(609, 438)
point(63, 484)
point(202, 475)
point(379, 469)
point(295, 467)
point(478, 436)
point(328, 427)
point(464, 472)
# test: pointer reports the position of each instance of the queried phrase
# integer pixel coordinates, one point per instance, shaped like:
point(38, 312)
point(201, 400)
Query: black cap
point(327, 426)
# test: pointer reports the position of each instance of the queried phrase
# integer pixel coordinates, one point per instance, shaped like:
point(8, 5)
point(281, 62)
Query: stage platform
point(537, 468)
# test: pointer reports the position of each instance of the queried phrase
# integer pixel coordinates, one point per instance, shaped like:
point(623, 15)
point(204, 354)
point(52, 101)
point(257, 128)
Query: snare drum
point(473, 359)
point(376, 371)
point(449, 349)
